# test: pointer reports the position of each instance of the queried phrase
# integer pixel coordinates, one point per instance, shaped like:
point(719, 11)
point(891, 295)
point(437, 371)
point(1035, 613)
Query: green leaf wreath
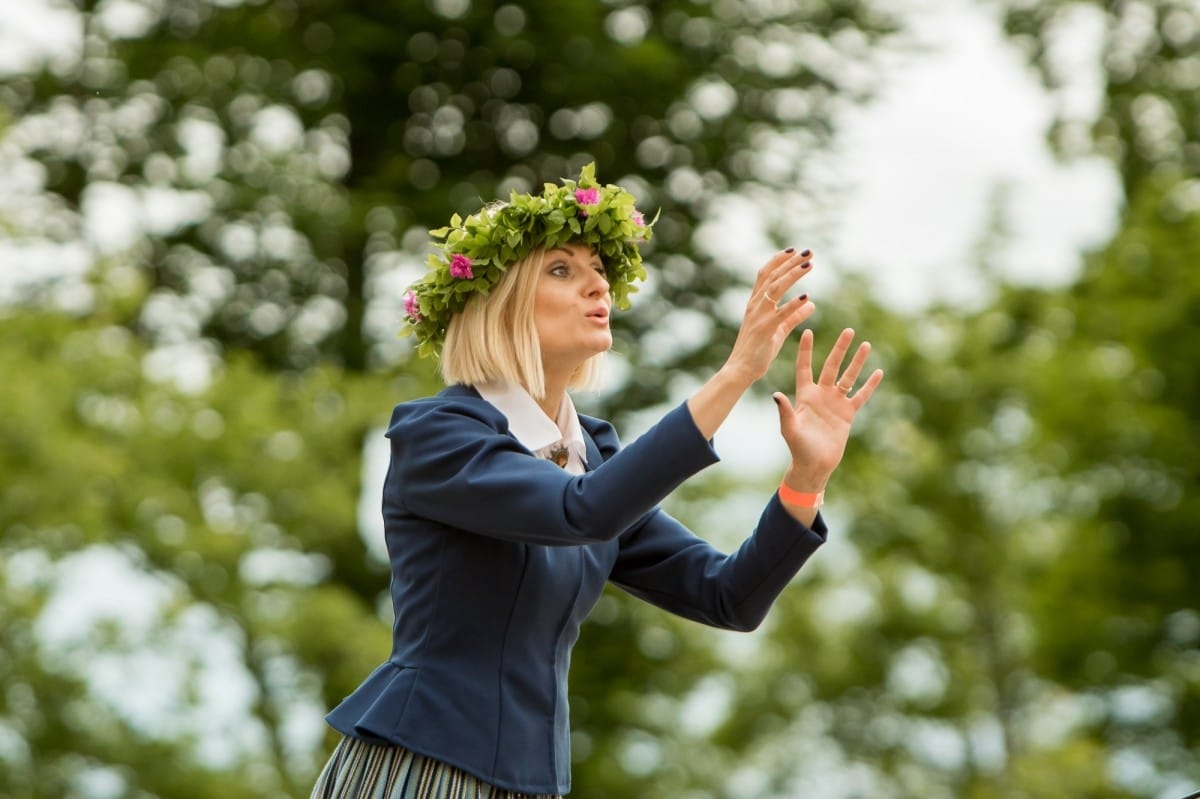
point(474, 252)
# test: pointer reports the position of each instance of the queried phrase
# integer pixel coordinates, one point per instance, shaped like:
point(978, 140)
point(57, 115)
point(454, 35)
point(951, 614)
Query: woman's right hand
point(765, 326)
point(767, 323)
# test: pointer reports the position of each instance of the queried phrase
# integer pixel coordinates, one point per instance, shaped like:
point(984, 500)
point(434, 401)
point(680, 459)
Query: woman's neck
point(552, 399)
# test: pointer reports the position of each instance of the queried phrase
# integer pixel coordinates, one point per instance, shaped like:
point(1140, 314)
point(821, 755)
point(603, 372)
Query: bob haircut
point(494, 337)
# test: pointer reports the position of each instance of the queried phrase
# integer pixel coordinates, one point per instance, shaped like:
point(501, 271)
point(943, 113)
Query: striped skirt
point(359, 770)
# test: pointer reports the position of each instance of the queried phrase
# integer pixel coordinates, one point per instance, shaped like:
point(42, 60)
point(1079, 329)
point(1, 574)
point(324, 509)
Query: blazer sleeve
point(454, 462)
point(664, 563)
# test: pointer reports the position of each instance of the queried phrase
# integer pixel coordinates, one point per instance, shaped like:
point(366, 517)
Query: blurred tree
point(1132, 96)
point(1122, 619)
point(1130, 605)
point(1005, 611)
point(1009, 606)
point(222, 515)
point(253, 182)
point(288, 156)
point(1016, 614)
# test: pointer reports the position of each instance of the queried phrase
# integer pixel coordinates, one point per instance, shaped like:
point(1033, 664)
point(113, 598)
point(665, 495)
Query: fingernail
point(807, 265)
point(802, 297)
point(791, 249)
point(806, 253)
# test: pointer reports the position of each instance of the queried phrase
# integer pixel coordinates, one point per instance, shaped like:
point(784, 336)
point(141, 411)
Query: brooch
point(559, 454)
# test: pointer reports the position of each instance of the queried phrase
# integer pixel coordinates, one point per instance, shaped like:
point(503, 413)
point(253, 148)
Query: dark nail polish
point(790, 250)
point(806, 253)
point(802, 297)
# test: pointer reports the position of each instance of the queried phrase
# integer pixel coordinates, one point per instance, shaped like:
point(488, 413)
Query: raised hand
point(816, 425)
point(767, 323)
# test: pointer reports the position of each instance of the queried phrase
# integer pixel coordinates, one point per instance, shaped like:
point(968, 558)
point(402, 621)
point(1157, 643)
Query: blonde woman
point(506, 511)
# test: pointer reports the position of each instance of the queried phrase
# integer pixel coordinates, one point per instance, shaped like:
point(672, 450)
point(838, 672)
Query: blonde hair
point(495, 338)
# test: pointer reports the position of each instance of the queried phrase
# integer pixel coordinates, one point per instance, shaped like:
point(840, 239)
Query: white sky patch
point(734, 236)
point(109, 621)
point(265, 566)
point(749, 442)
point(917, 673)
point(926, 158)
point(203, 143)
point(277, 130)
point(376, 452)
point(1075, 46)
point(707, 705)
point(677, 333)
point(127, 19)
point(36, 32)
point(164, 211)
point(188, 365)
point(84, 598)
point(938, 743)
point(24, 264)
point(111, 217)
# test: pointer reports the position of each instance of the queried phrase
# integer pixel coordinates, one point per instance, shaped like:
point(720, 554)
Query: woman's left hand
point(816, 426)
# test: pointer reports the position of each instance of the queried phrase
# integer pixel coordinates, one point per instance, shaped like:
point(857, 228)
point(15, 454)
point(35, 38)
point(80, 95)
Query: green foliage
point(322, 138)
point(1014, 610)
point(239, 500)
point(299, 152)
point(1005, 607)
point(1148, 122)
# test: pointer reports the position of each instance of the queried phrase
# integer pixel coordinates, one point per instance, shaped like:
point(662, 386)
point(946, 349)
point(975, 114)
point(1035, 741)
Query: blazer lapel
point(593, 452)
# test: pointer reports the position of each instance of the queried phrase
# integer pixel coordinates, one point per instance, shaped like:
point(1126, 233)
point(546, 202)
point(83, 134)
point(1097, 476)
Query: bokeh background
point(208, 211)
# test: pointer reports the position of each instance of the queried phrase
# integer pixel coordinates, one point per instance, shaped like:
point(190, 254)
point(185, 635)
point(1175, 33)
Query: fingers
point(804, 359)
point(868, 388)
point(787, 273)
point(833, 363)
point(780, 273)
point(787, 415)
point(846, 382)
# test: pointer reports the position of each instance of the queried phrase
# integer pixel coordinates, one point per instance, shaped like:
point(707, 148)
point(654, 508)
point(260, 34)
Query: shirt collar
point(530, 426)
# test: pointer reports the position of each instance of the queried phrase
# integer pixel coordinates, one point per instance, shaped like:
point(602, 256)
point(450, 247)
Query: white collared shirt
point(533, 428)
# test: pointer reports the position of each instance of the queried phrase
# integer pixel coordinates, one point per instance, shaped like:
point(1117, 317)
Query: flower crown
point(474, 252)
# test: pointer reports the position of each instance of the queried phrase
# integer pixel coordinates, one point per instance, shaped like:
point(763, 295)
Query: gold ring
point(844, 389)
point(767, 296)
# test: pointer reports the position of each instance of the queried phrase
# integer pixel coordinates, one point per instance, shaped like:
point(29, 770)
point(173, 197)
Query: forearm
point(663, 563)
point(712, 403)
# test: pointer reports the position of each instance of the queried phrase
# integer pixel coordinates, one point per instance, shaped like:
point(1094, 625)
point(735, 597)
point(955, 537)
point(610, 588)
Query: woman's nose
point(599, 285)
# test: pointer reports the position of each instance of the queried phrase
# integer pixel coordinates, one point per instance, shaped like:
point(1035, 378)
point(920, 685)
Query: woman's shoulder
point(451, 407)
point(602, 433)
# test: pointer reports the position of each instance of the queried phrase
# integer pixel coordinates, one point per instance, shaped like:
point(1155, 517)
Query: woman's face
point(570, 309)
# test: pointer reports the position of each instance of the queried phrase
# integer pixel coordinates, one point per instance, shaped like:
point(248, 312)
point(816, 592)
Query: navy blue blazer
point(496, 558)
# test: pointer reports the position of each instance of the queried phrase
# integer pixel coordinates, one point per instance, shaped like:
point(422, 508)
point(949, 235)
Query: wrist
point(734, 378)
point(800, 499)
point(804, 481)
point(802, 488)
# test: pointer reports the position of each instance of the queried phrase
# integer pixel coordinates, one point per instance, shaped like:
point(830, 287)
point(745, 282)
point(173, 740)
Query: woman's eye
point(559, 270)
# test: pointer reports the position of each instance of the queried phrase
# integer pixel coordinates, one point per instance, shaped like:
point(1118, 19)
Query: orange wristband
point(794, 497)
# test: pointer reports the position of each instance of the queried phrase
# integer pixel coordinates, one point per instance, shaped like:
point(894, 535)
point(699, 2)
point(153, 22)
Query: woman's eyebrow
point(595, 259)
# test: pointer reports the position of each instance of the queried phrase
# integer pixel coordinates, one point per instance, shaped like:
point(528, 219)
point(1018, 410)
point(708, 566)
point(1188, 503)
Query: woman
point(506, 512)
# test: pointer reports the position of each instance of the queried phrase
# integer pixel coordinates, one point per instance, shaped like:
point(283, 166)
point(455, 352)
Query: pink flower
point(412, 307)
point(587, 196)
point(460, 267)
point(638, 219)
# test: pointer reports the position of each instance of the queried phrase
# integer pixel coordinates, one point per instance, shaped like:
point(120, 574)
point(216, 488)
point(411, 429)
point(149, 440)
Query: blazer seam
point(500, 671)
point(783, 564)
